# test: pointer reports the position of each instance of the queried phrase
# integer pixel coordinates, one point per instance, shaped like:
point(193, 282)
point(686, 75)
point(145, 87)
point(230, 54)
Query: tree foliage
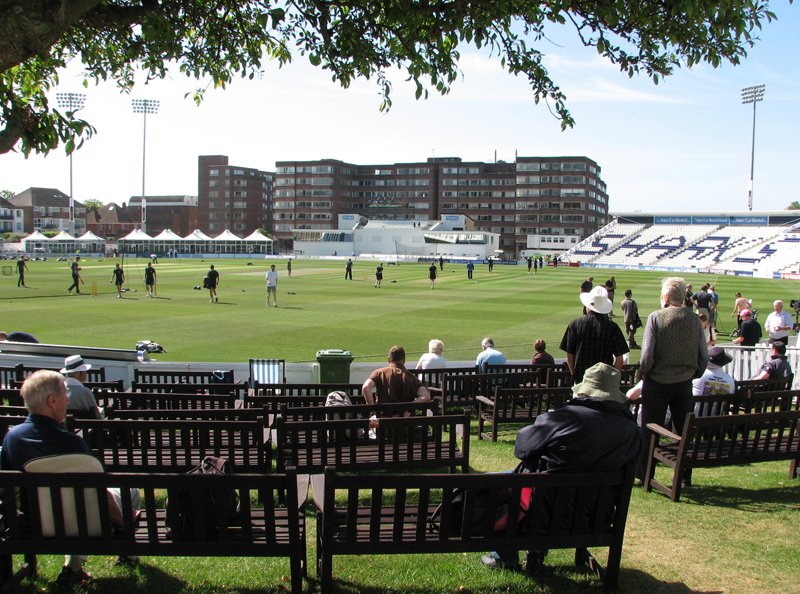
point(221, 39)
point(7, 194)
point(93, 204)
point(794, 206)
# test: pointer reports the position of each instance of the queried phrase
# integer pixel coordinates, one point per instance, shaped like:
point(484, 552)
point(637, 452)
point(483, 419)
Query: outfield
point(318, 309)
point(734, 531)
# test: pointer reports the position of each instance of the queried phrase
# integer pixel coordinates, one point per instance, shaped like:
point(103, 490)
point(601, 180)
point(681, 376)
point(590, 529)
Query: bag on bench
point(336, 399)
point(180, 513)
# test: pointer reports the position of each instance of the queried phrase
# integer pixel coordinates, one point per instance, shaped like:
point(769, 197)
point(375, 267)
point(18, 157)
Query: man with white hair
point(489, 355)
point(674, 352)
point(433, 358)
point(778, 324)
point(593, 338)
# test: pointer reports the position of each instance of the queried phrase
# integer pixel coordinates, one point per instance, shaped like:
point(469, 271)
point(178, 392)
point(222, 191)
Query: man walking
point(272, 285)
point(118, 277)
point(21, 268)
point(630, 311)
point(212, 280)
point(75, 268)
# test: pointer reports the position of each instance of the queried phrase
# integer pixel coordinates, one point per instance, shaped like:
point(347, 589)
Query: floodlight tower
point(752, 95)
point(72, 102)
point(144, 106)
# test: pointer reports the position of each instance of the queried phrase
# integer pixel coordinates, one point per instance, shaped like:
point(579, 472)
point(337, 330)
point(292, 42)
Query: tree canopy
point(222, 39)
point(93, 204)
point(794, 206)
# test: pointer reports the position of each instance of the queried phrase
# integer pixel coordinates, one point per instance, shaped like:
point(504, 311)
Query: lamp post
point(72, 102)
point(144, 106)
point(752, 95)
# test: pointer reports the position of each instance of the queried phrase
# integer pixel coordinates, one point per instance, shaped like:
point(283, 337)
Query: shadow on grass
point(139, 578)
point(768, 500)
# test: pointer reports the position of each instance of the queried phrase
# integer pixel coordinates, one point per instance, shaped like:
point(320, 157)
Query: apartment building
point(547, 202)
point(177, 213)
point(232, 197)
point(47, 209)
point(12, 219)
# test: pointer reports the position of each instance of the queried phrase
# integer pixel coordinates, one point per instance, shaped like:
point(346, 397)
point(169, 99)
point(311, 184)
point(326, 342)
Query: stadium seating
point(654, 243)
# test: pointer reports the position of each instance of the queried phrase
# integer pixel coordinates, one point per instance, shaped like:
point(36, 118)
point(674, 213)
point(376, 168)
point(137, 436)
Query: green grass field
point(318, 309)
point(734, 532)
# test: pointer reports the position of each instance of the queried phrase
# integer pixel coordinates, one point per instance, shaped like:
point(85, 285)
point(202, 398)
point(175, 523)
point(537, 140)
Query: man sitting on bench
point(594, 432)
point(394, 383)
point(41, 436)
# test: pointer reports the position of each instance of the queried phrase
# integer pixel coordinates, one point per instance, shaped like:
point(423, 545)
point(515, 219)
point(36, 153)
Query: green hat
point(601, 381)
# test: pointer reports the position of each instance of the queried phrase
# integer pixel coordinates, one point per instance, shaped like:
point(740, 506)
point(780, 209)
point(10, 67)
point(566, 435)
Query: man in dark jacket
point(595, 432)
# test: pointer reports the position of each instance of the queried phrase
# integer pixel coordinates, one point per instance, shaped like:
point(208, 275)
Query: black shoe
point(494, 563)
point(534, 561)
point(69, 576)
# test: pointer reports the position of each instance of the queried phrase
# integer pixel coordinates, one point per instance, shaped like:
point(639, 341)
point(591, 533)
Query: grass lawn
point(735, 531)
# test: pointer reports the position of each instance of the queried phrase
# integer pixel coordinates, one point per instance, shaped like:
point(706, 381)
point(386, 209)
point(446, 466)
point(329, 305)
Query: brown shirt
point(395, 384)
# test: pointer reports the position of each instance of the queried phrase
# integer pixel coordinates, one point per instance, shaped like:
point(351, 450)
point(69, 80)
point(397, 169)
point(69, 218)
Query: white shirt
point(713, 381)
point(272, 278)
point(431, 361)
point(776, 320)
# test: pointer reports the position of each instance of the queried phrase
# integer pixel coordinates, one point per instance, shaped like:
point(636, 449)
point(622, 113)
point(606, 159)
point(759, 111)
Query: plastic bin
point(334, 366)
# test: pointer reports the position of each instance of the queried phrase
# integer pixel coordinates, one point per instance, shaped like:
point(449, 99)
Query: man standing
point(703, 299)
point(42, 435)
point(118, 277)
point(530, 263)
point(81, 398)
point(491, 263)
point(432, 273)
point(713, 312)
point(777, 366)
point(76, 276)
point(593, 338)
point(689, 300)
point(489, 355)
point(441, 264)
point(348, 269)
point(739, 306)
point(470, 268)
point(594, 432)
point(272, 285)
point(378, 275)
point(586, 286)
point(21, 268)
point(535, 262)
point(149, 279)
point(750, 330)
point(541, 262)
point(212, 280)
point(674, 352)
point(394, 383)
point(630, 313)
point(778, 324)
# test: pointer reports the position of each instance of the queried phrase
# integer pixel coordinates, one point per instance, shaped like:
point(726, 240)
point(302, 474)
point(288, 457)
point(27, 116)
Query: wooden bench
point(432, 378)
point(263, 529)
point(94, 386)
point(145, 400)
point(153, 376)
point(164, 446)
point(238, 389)
point(95, 374)
point(11, 397)
point(463, 390)
point(176, 414)
point(388, 514)
point(283, 390)
point(400, 444)
point(723, 440)
point(517, 405)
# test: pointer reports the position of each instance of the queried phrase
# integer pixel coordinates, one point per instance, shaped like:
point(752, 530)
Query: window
point(213, 226)
point(573, 179)
point(573, 193)
point(238, 172)
point(213, 205)
point(284, 193)
point(212, 216)
point(213, 194)
point(213, 172)
point(573, 167)
point(284, 205)
point(527, 167)
point(284, 181)
point(213, 183)
point(284, 170)
point(320, 205)
point(240, 205)
point(238, 226)
point(240, 183)
point(240, 215)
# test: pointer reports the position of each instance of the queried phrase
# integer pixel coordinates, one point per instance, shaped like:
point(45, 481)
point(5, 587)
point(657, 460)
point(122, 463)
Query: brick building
point(178, 213)
point(113, 221)
point(47, 209)
point(232, 197)
point(534, 200)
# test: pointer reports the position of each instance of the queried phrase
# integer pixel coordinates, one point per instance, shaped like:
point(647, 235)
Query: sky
point(681, 145)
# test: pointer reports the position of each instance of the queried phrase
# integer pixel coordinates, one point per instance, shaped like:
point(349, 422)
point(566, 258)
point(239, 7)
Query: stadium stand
point(721, 245)
point(654, 243)
point(601, 242)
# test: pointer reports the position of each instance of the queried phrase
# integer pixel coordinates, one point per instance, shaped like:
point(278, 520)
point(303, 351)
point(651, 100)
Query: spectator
point(81, 399)
point(433, 358)
point(715, 380)
point(750, 330)
point(713, 313)
point(394, 383)
point(674, 352)
point(710, 333)
point(586, 286)
point(611, 287)
point(489, 355)
point(778, 324)
point(777, 366)
point(21, 337)
point(42, 435)
point(689, 299)
point(630, 311)
point(542, 357)
point(593, 338)
point(594, 432)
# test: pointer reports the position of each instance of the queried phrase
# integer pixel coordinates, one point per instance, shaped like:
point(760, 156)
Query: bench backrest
point(358, 411)
point(238, 389)
point(765, 385)
point(399, 445)
point(7, 376)
point(745, 401)
point(146, 400)
point(174, 445)
point(535, 401)
point(152, 376)
point(203, 414)
point(432, 378)
point(570, 510)
point(462, 390)
point(742, 438)
point(290, 390)
point(95, 374)
point(11, 397)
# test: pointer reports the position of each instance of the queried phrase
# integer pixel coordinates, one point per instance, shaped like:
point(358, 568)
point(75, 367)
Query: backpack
point(339, 398)
point(483, 498)
point(180, 512)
